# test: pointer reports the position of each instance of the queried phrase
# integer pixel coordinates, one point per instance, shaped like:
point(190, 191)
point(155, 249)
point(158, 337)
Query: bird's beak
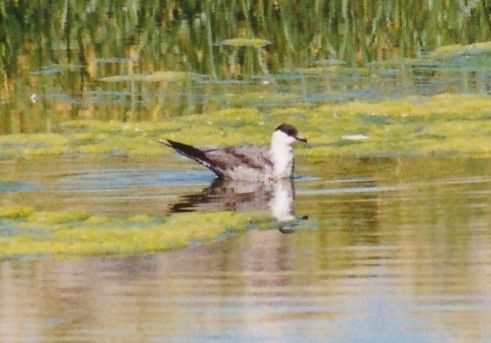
point(301, 139)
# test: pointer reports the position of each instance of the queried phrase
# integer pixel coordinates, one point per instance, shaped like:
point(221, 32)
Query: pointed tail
point(193, 153)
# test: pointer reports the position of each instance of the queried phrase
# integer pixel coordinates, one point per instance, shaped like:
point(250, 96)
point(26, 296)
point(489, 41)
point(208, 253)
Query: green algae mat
point(434, 125)
point(26, 233)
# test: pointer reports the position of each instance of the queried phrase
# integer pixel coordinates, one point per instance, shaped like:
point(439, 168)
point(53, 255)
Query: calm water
point(394, 249)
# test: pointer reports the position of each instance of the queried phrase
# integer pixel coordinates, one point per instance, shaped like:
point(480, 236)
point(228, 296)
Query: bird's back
point(249, 162)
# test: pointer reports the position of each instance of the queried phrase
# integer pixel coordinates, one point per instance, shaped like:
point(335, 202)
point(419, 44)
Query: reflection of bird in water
point(278, 197)
point(225, 195)
point(282, 205)
point(249, 162)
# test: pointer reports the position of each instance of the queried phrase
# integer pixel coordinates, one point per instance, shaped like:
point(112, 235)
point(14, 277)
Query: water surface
point(393, 249)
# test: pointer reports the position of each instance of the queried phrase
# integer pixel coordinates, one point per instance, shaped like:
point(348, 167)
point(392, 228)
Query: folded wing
point(248, 160)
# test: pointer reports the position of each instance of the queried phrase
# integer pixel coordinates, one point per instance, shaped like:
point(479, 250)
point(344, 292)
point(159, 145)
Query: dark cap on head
point(291, 131)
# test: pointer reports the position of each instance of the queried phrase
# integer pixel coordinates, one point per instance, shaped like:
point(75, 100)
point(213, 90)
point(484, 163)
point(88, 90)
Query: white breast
point(282, 155)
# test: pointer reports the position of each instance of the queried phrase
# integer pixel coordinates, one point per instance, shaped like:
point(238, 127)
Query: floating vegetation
point(355, 137)
point(245, 42)
point(64, 234)
point(333, 69)
point(158, 76)
point(469, 106)
point(257, 98)
point(395, 127)
point(456, 50)
point(15, 212)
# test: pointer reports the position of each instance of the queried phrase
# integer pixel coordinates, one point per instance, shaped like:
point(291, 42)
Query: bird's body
point(249, 162)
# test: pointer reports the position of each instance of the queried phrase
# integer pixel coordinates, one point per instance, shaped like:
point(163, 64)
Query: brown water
point(393, 250)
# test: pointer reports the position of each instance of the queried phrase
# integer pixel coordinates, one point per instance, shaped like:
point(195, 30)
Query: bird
point(249, 163)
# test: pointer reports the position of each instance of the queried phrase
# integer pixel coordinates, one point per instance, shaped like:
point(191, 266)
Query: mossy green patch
point(392, 127)
point(91, 126)
point(31, 145)
point(333, 69)
point(15, 212)
point(158, 76)
point(253, 99)
point(62, 234)
point(443, 124)
point(477, 52)
point(444, 104)
point(57, 217)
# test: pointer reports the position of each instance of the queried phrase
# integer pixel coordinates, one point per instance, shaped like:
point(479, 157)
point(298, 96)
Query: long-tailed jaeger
point(249, 162)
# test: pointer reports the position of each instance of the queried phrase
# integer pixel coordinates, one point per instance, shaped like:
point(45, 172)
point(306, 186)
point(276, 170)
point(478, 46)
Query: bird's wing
point(223, 160)
point(250, 156)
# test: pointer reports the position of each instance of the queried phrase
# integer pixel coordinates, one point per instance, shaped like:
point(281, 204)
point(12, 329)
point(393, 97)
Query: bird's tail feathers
point(191, 152)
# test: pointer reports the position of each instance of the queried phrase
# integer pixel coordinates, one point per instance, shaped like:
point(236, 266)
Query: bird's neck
point(283, 160)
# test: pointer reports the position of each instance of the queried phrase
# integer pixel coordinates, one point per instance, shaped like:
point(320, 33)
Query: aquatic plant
point(421, 125)
point(246, 42)
point(63, 234)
